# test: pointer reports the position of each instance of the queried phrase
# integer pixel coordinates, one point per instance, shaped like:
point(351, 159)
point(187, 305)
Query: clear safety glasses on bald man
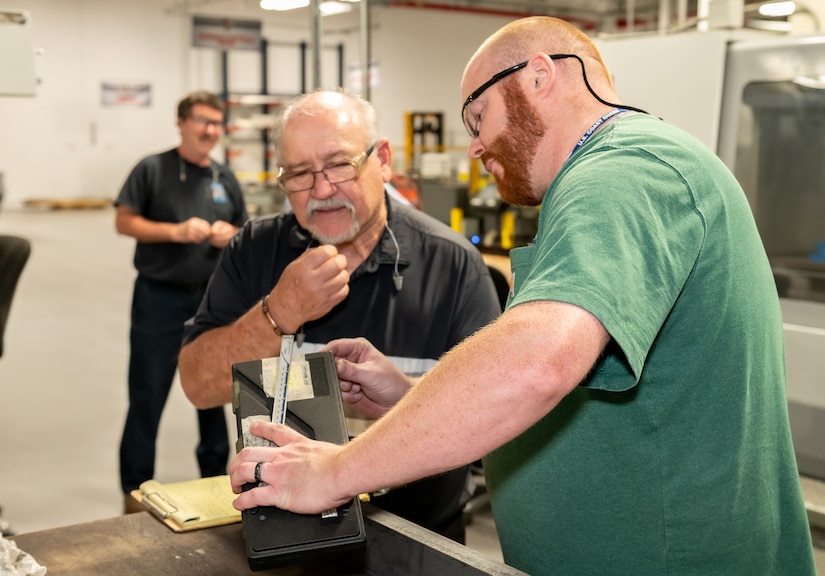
point(471, 114)
point(335, 173)
point(472, 118)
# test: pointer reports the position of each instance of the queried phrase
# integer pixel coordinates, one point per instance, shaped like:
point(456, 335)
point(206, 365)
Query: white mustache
point(328, 204)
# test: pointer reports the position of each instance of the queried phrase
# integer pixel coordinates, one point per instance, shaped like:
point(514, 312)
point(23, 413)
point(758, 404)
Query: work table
point(140, 544)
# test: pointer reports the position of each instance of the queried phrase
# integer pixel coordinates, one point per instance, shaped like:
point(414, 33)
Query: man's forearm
point(205, 364)
point(143, 229)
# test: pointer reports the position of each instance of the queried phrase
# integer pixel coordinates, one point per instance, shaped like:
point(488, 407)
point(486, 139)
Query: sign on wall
point(226, 34)
point(126, 94)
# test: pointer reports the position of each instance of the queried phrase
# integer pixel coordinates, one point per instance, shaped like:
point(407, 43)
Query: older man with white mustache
point(347, 261)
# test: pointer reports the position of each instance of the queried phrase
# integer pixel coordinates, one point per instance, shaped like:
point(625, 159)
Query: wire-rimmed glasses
point(336, 173)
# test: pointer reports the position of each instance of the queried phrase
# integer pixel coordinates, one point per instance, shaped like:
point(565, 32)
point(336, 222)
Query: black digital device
point(276, 537)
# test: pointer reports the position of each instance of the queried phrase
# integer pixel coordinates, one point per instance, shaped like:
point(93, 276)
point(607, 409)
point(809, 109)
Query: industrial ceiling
point(590, 15)
point(594, 17)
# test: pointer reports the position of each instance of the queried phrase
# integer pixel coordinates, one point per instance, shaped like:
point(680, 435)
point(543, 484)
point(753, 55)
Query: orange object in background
point(407, 187)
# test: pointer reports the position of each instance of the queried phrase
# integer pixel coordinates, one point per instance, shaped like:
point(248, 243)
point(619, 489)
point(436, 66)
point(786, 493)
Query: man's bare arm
point(482, 394)
point(205, 364)
point(309, 288)
point(191, 231)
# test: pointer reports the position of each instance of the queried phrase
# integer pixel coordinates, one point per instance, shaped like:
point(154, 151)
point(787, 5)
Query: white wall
point(63, 143)
point(420, 74)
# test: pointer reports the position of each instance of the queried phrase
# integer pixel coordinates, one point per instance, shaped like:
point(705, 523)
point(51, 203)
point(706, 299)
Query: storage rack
point(247, 127)
point(425, 133)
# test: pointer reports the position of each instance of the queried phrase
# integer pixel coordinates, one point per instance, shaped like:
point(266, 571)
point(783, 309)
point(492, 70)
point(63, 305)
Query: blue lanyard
point(586, 136)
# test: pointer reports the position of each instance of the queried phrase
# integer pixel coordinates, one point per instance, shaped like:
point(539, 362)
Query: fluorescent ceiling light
point(283, 4)
point(327, 8)
point(777, 9)
point(332, 7)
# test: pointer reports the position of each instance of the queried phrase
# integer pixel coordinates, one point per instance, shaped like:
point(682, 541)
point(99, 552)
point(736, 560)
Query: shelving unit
point(249, 119)
point(424, 133)
point(247, 126)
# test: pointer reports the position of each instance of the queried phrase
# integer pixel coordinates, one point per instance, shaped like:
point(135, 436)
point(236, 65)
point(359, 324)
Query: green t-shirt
point(674, 456)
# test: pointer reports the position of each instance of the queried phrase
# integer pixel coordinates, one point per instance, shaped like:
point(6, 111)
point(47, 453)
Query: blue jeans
point(158, 313)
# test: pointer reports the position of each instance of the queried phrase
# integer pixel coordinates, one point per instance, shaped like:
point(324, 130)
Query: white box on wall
point(17, 67)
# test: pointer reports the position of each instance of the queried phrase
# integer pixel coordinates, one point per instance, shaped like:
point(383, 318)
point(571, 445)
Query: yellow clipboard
point(190, 505)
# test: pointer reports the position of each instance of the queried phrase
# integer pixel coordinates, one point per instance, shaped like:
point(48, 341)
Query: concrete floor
point(63, 382)
point(63, 379)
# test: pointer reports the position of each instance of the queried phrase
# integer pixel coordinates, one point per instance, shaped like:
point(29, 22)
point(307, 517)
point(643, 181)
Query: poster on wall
point(126, 94)
point(226, 34)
